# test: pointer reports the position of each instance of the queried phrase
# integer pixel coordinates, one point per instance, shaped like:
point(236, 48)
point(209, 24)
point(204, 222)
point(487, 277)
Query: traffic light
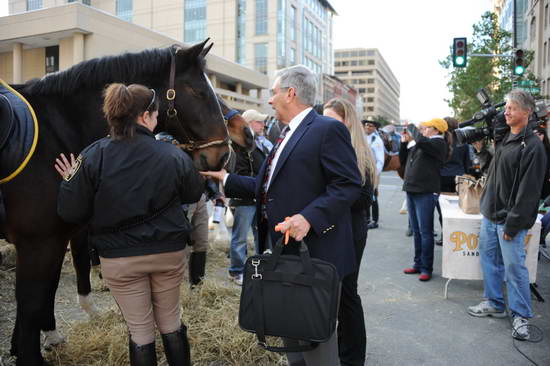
point(519, 63)
point(460, 52)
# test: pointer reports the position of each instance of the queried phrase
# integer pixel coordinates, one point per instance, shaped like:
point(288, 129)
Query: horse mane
point(100, 71)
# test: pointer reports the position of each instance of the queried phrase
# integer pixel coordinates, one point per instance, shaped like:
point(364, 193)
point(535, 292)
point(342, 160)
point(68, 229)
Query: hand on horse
point(298, 226)
point(218, 175)
point(62, 165)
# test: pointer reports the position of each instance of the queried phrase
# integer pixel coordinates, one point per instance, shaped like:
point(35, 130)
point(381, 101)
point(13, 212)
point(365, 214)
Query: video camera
point(490, 114)
point(495, 123)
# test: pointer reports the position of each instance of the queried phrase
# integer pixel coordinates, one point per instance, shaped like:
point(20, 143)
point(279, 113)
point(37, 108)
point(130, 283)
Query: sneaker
point(373, 225)
point(411, 270)
point(485, 308)
point(439, 242)
point(409, 232)
point(520, 329)
point(424, 277)
point(238, 278)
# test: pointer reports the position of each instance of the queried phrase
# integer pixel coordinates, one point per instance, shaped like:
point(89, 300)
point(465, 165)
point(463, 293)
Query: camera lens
point(468, 135)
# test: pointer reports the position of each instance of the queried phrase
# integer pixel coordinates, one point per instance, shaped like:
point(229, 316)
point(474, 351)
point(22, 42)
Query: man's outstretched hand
point(219, 175)
point(298, 226)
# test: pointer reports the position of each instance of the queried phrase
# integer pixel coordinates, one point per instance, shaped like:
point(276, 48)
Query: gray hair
point(521, 97)
point(302, 79)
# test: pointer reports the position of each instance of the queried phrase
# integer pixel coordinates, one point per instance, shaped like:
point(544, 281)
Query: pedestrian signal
point(519, 63)
point(460, 52)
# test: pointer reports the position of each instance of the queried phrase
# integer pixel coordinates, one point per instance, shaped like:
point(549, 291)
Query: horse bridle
point(172, 113)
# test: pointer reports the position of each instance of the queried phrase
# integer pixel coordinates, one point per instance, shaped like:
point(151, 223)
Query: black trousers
point(352, 336)
point(374, 208)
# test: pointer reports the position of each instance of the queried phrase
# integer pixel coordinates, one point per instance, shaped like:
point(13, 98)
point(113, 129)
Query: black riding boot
point(197, 262)
point(176, 347)
point(143, 355)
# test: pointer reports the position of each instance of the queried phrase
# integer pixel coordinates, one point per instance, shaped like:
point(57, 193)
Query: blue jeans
point(503, 260)
point(243, 222)
point(421, 216)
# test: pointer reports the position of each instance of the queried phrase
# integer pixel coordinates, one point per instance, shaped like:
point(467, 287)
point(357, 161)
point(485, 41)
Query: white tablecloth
point(461, 243)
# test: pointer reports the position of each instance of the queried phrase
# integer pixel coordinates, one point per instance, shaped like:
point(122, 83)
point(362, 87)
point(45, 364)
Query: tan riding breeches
point(147, 290)
point(199, 221)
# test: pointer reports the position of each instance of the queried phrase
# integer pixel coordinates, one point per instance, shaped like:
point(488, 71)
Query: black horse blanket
point(18, 132)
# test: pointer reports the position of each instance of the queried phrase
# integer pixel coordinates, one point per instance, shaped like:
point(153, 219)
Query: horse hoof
point(52, 338)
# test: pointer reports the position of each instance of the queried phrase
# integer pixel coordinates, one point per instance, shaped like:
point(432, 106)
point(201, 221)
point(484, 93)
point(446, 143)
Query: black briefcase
point(289, 296)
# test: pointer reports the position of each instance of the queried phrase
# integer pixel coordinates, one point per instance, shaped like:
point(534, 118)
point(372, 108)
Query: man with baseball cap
point(248, 164)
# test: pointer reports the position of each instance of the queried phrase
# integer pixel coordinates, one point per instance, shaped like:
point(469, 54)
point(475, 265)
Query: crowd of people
point(317, 180)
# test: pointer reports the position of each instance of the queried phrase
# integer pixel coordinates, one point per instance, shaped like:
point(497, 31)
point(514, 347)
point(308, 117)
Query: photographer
point(509, 208)
point(422, 184)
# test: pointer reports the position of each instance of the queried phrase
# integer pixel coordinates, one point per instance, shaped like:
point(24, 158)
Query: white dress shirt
point(293, 125)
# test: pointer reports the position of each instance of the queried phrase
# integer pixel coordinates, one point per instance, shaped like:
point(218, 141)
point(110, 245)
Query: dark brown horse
point(68, 107)
point(391, 157)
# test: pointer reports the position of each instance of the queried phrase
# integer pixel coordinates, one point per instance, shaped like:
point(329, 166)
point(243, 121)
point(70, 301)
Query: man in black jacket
point(509, 208)
point(247, 163)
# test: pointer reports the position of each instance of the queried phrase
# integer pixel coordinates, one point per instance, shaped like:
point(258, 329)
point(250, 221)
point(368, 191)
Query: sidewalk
point(410, 323)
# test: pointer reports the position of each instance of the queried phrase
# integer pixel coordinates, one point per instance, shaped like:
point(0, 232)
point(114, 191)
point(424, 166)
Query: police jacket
point(423, 162)
point(247, 163)
point(131, 193)
point(502, 201)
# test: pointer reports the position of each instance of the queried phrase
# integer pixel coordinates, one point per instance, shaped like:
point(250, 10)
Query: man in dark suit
point(311, 176)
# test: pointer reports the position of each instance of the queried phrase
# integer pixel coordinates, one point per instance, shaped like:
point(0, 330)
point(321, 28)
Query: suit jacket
point(316, 176)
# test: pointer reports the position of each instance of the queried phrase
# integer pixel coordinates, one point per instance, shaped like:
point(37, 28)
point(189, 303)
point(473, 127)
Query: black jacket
point(131, 193)
point(516, 210)
point(423, 162)
point(247, 164)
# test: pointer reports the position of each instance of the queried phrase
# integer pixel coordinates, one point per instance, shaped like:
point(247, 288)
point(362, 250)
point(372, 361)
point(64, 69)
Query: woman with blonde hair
point(352, 338)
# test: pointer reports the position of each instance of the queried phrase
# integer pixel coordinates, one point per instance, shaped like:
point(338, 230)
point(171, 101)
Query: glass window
point(124, 9)
point(34, 4)
point(370, 53)
point(194, 24)
point(260, 57)
point(261, 17)
point(281, 34)
point(52, 59)
point(241, 32)
point(85, 2)
point(362, 90)
point(293, 24)
point(370, 90)
point(370, 81)
point(371, 62)
point(292, 56)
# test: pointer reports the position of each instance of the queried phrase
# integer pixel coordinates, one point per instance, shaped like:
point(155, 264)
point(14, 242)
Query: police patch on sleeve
point(74, 168)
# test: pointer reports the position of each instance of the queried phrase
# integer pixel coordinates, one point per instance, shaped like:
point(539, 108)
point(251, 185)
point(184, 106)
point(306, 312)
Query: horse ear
point(205, 51)
point(195, 51)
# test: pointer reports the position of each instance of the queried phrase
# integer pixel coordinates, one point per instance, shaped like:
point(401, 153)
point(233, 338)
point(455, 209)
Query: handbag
point(469, 193)
point(289, 296)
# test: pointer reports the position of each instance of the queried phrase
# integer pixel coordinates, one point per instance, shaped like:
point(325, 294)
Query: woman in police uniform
point(130, 189)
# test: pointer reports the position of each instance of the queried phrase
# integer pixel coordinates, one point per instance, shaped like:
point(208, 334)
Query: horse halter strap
point(172, 113)
point(230, 114)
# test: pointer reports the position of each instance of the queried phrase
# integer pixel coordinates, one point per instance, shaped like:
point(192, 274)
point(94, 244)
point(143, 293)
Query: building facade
point(264, 35)
point(534, 18)
point(366, 70)
point(42, 36)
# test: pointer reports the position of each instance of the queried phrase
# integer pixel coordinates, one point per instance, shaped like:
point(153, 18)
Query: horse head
point(190, 110)
point(239, 131)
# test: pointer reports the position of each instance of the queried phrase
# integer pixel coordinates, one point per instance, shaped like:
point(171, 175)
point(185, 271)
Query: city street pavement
point(410, 323)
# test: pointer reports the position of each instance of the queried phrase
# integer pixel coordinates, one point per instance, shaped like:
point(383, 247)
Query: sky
point(412, 36)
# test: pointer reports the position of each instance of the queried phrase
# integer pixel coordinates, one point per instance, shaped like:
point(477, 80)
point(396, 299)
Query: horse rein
point(172, 113)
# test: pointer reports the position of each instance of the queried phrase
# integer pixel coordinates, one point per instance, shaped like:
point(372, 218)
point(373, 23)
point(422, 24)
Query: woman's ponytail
point(123, 104)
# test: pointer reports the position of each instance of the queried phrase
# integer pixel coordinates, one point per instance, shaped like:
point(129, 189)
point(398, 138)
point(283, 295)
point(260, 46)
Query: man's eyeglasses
point(152, 100)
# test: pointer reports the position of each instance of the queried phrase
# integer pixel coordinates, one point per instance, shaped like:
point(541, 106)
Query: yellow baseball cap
point(437, 123)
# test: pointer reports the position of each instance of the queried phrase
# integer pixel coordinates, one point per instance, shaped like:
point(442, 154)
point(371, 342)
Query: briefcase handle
point(304, 256)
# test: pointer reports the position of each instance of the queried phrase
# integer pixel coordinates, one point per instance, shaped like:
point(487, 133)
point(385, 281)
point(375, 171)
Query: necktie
point(268, 169)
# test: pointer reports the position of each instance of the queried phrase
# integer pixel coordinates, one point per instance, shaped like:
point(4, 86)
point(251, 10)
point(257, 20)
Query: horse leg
point(81, 262)
point(37, 276)
point(51, 336)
